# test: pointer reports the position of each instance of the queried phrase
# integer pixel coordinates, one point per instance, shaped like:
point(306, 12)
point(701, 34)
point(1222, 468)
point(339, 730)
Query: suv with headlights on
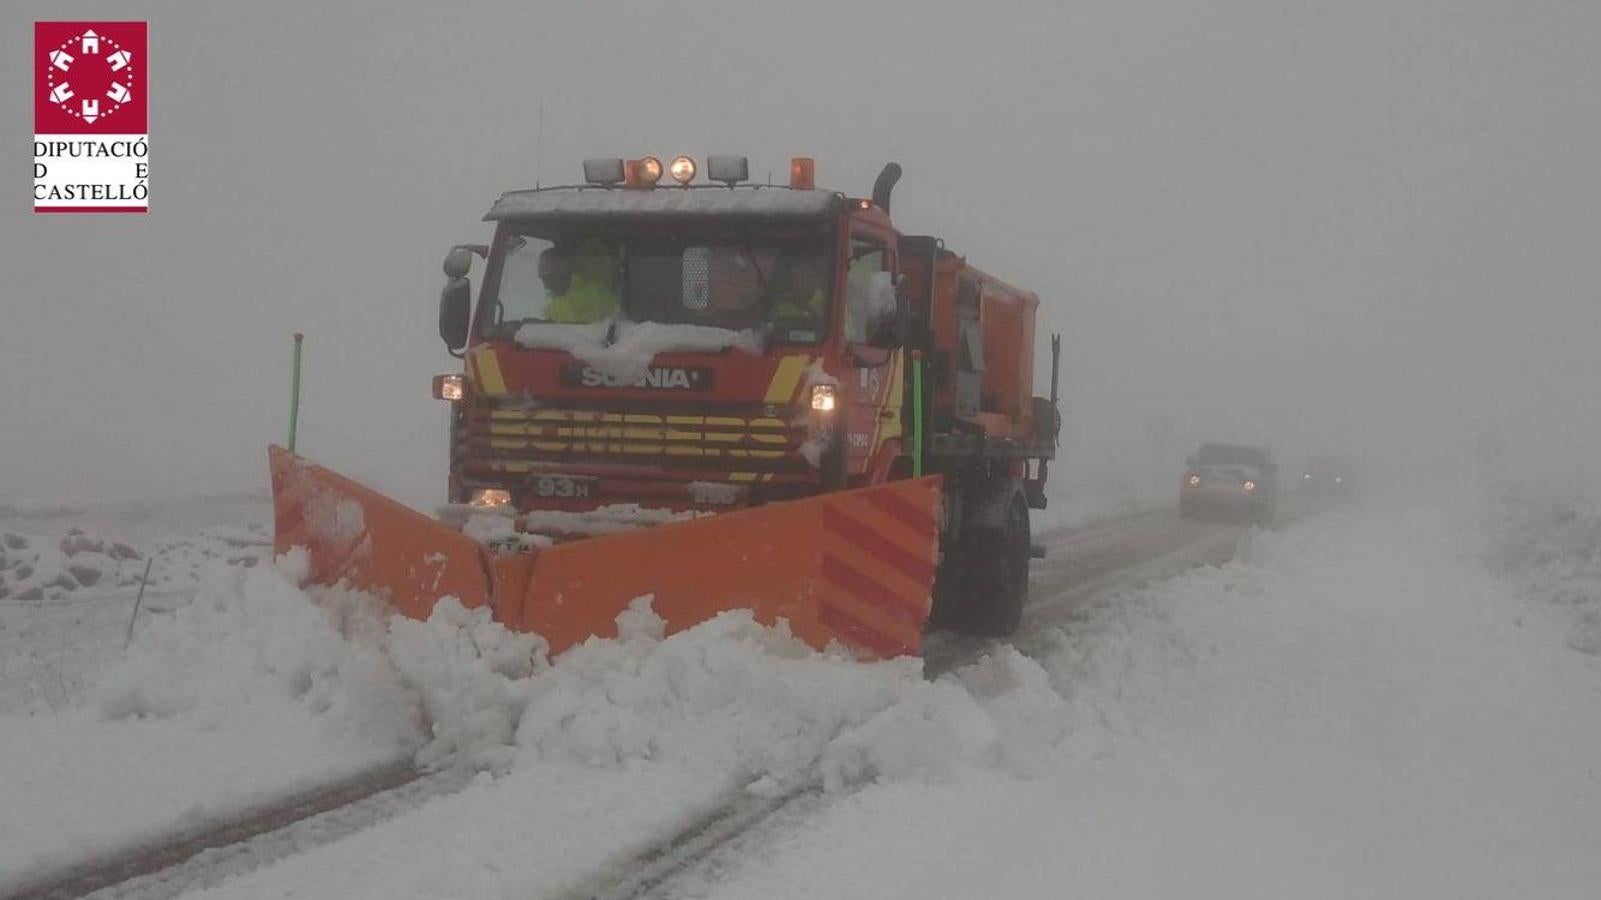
point(1230, 481)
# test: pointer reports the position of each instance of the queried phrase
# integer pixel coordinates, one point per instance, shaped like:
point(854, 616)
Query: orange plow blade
point(356, 534)
point(854, 567)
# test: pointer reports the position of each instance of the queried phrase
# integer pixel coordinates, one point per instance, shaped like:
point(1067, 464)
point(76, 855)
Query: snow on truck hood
point(700, 201)
point(628, 356)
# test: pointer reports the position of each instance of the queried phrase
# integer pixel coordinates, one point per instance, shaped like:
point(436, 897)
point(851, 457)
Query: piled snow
point(257, 688)
point(246, 693)
point(36, 568)
point(619, 742)
point(625, 360)
point(736, 702)
point(498, 529)
point(563, 335)
point(69, 579)
point(1356, 707)
point(1548, 542)
point(79, 565)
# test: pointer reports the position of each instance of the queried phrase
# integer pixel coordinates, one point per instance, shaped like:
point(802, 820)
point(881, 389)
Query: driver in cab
point(582, 285)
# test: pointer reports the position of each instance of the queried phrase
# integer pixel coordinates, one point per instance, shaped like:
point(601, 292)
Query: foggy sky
point(1365, 227)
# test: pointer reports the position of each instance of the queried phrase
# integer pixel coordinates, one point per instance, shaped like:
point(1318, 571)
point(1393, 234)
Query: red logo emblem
point(90, 78)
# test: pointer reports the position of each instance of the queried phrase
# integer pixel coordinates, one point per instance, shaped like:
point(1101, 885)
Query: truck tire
point(995, 557)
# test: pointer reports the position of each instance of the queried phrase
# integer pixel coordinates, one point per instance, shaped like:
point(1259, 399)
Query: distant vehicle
point(1232, 481)
point(1326, 476)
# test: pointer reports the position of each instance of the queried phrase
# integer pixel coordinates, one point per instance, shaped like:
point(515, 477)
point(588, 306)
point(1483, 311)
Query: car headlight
point(823, 397)
point(1193, 481)
point(489, 498)
point(449, 387)
point(1249, 486)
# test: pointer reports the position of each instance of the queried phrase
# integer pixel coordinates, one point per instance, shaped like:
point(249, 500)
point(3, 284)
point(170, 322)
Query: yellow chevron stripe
point(489, 377)
point(884, 429)
point(785, 378)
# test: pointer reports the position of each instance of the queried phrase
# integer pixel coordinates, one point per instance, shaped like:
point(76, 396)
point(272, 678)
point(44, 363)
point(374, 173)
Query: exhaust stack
point(885, 184)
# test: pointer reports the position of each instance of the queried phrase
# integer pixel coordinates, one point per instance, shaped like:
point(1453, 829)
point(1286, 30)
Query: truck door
point(873, 390)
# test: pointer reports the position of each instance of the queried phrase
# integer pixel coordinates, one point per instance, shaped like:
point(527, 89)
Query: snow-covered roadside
point(1356, 707)
point(69, 579)
point(258, 687)
point(244, 694)
point(1547, 542)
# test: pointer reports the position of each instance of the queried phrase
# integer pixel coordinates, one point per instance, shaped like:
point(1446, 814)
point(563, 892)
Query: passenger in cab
point(799, 283)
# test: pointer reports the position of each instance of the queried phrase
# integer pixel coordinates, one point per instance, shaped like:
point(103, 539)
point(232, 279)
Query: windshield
point(769, 280)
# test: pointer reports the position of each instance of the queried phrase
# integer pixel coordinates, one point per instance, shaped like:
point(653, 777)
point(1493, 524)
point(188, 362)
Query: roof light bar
point(603, 171)
point(730, 170)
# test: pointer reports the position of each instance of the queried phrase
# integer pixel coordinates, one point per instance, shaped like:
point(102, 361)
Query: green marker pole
point(917, 414)
point(294, 393)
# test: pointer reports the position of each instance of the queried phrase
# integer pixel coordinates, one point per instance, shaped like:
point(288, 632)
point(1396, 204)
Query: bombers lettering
point(655, 377)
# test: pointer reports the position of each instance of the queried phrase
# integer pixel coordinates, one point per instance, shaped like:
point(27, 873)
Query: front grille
point(513, 439)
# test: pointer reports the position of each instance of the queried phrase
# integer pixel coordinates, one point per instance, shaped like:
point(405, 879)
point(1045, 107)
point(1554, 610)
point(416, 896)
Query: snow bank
point(620, 742)
point(80, 564)
point(737, 702)
point(245, 694)
point(69, 580)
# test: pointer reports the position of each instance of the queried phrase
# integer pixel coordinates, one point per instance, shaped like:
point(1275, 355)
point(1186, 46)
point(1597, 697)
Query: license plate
point(562, 487)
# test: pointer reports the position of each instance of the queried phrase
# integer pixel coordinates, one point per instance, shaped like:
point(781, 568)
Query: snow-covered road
point(1388, 701)
point(1355, 708)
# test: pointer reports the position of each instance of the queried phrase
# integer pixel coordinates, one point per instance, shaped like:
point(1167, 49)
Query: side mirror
point(458, 262)
point(455, 311)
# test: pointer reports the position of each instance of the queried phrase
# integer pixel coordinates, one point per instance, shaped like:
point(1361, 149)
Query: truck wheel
point(997, 558)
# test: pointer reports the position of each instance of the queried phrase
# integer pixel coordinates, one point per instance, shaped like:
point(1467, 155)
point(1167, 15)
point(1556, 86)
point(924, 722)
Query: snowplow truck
point(719, 396)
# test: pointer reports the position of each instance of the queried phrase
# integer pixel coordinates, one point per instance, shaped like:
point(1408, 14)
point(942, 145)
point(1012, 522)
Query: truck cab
point(732, 344)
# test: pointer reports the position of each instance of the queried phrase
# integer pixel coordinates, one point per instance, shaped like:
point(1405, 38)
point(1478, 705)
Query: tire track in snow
point(1089, 562)
point(177, 862)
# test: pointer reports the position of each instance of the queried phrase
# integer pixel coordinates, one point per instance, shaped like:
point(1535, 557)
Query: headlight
point(1306, 476)
point(1193, 481)
point(1249, 486)
point(489, 498)
point(823, 397)
point(650, 170)
point(449, 387)
point(682, 169)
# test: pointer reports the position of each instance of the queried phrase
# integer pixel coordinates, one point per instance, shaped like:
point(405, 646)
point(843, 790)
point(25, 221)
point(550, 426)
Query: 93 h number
point(561, 487)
